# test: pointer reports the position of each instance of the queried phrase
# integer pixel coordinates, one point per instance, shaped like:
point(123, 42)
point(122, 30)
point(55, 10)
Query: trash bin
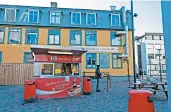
point(29, 91)
point(140, 101)
point(86, 85)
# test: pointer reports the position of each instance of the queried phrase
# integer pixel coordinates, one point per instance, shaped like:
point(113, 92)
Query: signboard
point(59, 58)
point(99, 49)
point(47, 88)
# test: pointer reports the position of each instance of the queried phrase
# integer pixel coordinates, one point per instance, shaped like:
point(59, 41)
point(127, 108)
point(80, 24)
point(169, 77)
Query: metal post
point(107, 83)
point(128, 72)
point(133, 44)
point(160, 65)
point(150, 66)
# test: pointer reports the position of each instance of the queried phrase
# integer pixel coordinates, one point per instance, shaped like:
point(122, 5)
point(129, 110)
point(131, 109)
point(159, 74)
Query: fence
point(105, 74)
point(15, 74)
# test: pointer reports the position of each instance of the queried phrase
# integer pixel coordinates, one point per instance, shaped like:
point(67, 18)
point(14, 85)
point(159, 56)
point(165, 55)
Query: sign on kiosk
point(59, 58)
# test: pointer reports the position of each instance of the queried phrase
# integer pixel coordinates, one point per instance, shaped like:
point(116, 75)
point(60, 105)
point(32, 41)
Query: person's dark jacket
point(98, 73)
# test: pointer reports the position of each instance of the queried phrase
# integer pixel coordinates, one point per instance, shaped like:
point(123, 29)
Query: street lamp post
point(133, 45)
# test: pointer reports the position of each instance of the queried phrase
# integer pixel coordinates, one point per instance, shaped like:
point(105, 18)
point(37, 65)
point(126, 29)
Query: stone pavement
point(11, 99)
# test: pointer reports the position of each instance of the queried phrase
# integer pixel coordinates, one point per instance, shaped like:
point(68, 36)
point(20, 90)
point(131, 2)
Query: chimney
point(53, 4)
point(112, 8)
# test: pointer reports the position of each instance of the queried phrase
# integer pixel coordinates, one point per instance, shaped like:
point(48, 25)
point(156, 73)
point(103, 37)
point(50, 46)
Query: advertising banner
point(59, 58)
point(48, 88)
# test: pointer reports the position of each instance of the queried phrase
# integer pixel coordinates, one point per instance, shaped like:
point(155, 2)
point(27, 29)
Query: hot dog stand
point(57, 71)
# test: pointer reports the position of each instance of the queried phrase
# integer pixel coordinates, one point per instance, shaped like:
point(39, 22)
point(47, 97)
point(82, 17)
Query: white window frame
point(150, 45)
point(119, 19)
point(41, 69)
point(37, 15)
point(6, 14)
point(54, 39)
point(51, 16)
point(72, 18)
point(35, 34)
point(87, 17)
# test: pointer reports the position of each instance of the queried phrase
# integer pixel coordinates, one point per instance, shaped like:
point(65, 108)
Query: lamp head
point(135, 15)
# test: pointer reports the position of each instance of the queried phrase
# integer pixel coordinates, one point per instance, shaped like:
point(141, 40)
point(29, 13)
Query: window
point(91, 60)
point(91, 38)
point(157, 67)
point(152, 67)
point(14, 36)
point(104, 60)
point(116, 61)
point(54, 37)
point(155, 37)
point(163, 66)
point(149, 37)
point(157, 56)
point(115, 20)
point(55, 17)
point(28, 58)
point(76, 18)
point(10, 15)
point(75, 37)
point(150, 56)
point(164, 57)
point(47, 69)
point(33, 16)
point(91, 19)
point(2, 35)
point(162, 38)
point(0, 57)
point(114, 40)
point(31, 36)
point(157, 46)
point(150, 46)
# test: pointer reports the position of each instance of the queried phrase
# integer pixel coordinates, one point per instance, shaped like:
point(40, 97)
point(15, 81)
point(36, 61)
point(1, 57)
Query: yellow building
point(95, 30)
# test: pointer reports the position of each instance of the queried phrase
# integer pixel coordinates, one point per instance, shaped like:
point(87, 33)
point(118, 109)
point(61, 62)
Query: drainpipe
point(126, 30)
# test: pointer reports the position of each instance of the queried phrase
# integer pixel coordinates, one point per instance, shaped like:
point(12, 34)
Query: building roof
point(147, 34)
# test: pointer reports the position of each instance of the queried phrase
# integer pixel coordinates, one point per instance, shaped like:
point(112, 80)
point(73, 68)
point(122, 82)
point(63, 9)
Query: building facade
point(151, 53)
point(106, 34)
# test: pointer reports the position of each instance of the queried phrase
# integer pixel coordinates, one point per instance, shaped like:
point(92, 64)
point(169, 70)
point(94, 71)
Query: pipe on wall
point(125, 29)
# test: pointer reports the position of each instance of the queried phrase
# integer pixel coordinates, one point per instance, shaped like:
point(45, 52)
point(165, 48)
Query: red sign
point(47, 88)
point(58, 58)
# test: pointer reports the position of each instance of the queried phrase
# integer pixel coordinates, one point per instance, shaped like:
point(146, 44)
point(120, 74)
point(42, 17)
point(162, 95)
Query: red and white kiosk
point(57, 71)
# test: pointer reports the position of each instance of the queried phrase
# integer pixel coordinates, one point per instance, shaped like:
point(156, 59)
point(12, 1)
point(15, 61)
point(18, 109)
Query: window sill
point(117, 45)
point(34, 22)
point(76, 24)
point(76, 44)
point(14, 43)
point(54, 23)
point(31, 43)
point(53, 44)
point(90, 45)
point(116, 68)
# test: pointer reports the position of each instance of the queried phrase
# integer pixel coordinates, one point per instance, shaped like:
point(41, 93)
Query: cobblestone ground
point(11, 99)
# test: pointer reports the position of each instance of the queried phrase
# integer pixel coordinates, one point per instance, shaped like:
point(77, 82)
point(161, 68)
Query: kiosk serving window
point(47, 69)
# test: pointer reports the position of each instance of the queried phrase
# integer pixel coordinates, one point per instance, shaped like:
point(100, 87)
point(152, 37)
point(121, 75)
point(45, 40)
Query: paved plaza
point(11, 99)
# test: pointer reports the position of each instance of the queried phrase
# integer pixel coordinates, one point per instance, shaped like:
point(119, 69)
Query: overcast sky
point(149, 12)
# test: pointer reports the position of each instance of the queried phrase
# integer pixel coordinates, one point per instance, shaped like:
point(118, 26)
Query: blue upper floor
point(64, 17)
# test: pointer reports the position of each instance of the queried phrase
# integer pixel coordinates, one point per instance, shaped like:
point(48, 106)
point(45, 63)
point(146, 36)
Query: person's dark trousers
point(97, 87)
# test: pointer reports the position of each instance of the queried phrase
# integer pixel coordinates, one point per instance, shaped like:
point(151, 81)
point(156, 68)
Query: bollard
point(140, 101)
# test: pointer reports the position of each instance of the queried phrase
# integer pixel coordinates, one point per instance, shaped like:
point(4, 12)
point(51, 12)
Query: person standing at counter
point(98, 76)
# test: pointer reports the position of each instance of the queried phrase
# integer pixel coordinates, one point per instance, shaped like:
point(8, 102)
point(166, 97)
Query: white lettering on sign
point(99, 49)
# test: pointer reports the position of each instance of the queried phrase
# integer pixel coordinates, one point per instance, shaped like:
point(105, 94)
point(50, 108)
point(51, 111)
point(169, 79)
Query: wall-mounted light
point(56, 52)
